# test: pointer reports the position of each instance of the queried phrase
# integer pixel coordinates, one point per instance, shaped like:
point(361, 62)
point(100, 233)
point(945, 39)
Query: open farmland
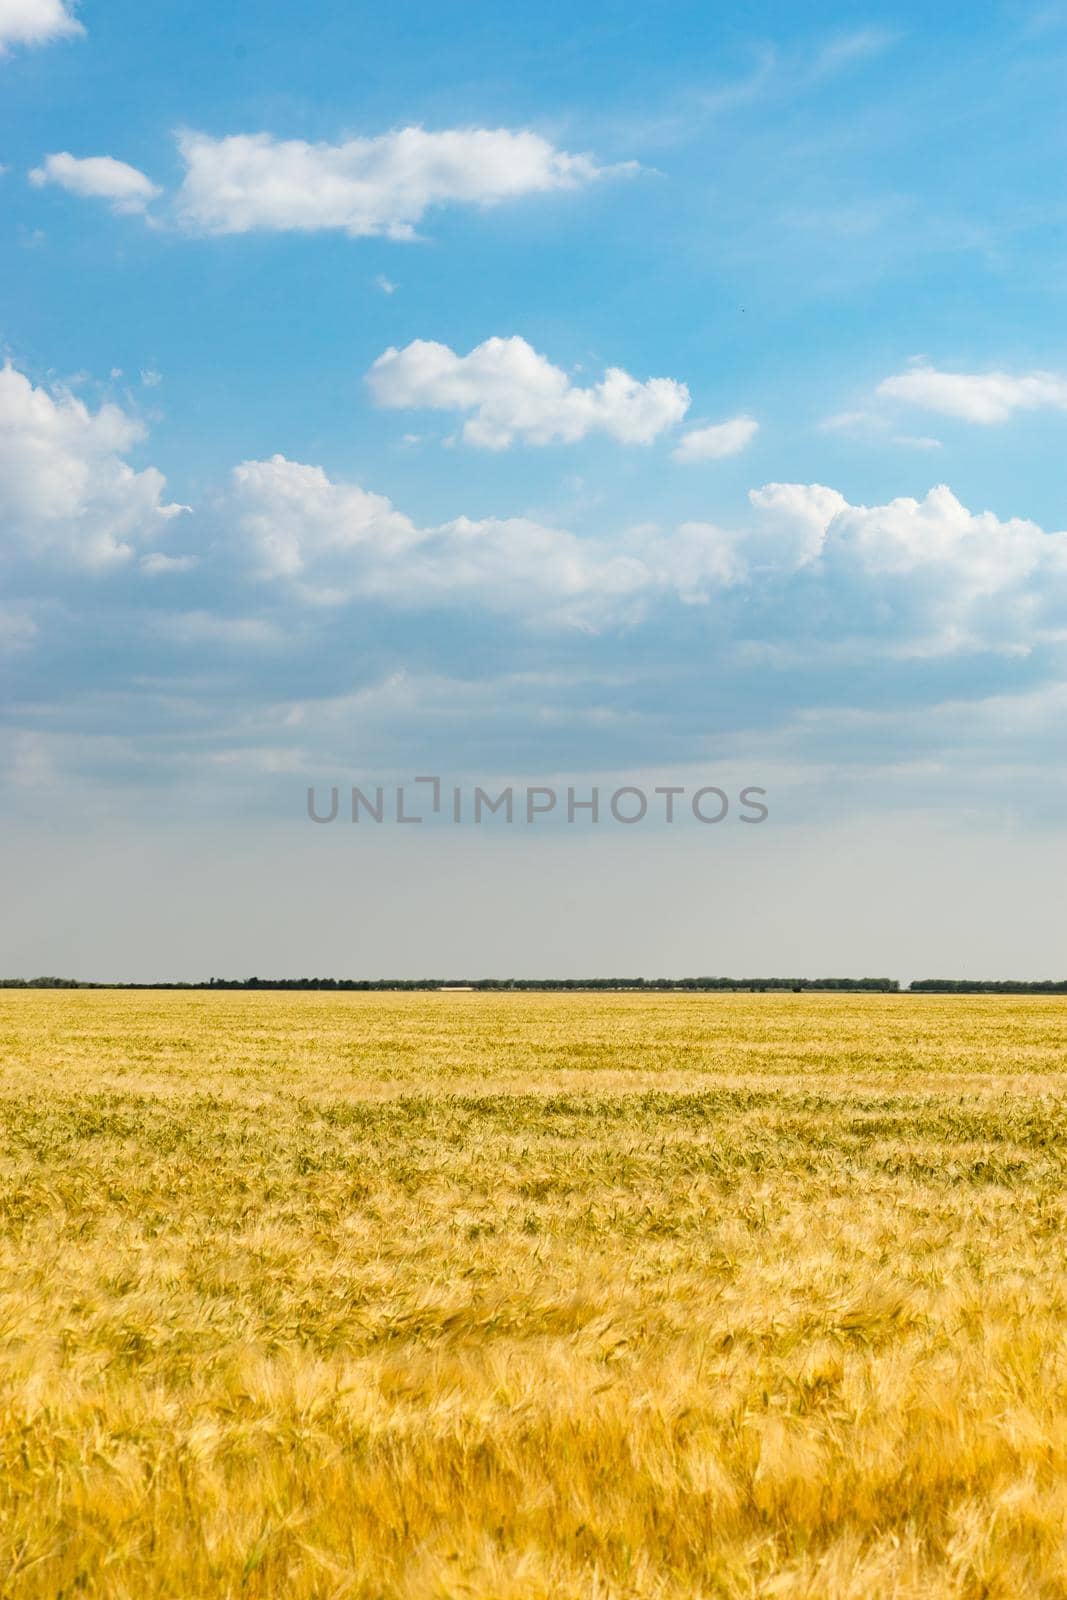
point(532, 1296)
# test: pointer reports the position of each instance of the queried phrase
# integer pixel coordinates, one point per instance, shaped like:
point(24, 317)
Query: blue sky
point(517, 392)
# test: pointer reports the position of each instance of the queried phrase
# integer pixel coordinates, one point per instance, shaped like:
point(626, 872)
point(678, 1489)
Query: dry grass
point(465, 1295)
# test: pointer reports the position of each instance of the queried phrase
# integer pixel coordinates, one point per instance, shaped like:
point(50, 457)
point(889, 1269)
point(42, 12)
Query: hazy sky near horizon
point(617, 394)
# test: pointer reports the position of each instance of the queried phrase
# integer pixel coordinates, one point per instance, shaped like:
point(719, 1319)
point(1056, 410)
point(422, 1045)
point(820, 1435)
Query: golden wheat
point(532, 1296)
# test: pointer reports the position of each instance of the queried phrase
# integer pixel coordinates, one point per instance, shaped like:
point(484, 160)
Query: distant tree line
point(988, 986)
point(51, 983)
point(557, 985)
point(797, 985)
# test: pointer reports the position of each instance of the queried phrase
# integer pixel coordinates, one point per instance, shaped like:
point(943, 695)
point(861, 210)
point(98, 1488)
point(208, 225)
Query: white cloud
point(516, 393)
point(65, 488)
point(799, 515)
point(983, 397)
point(35, 22)
point(919, 577)
point(296, 517)
point(97, 178)
point(383, 185)
point(693, 562)
point(809, 571)
point(337, 542)
point(717, 442)
point(912, 578)
point(386, 285)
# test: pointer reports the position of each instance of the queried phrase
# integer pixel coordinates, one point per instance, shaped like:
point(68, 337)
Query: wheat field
point(406, 1296)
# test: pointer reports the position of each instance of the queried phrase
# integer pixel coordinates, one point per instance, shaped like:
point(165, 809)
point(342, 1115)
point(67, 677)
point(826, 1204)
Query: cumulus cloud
point(336, 542)
point(288, 557)
point(376, 186)
point(647, 634)
point(915, 577)
point(796, 516)
point(910, 578)
point(808, 571)
point(296, 517)
point(36, 22)
point(516, 393)
point(65, 488)
point(97, 178)
point(983, 397)
point(722, 439)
